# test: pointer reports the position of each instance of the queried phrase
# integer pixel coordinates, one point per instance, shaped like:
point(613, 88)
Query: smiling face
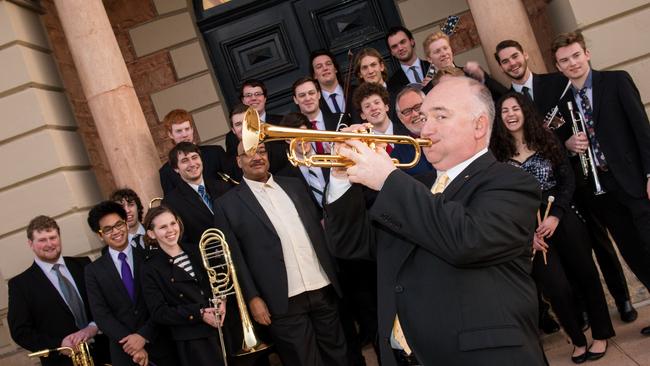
point(307, 97)
point(573, 61)
point(324, 70)
point(253, 96)
point(374, 111)
point(190, 167)
point(131, 209)
point(370, 69)
point(439, 53)
point(113, 231)
point(454, 126)
point(46, 244)
point(166, 231)
point(512, 115)
point(514, 63)
point(401, 47)
point(410, 105)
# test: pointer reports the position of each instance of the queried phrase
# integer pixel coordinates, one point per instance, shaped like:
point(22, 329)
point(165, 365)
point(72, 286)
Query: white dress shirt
point(339, 98)
point(528, 84)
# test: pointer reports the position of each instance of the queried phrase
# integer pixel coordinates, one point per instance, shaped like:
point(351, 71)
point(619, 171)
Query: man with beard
point(412, 70)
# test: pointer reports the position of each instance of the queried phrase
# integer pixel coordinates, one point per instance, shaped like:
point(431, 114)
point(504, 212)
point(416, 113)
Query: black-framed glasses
point(107, 230)
point(256, 94)
point(407, 111)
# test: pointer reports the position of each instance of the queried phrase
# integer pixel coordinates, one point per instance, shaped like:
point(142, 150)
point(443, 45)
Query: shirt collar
point(259, 186)
point(114, 253)
point(338, 90)
point(415, 63)
point(456, 170)
point(46, 266)
point(588, 83)
point(528, 84)
point(389, 129)
point(195, 187)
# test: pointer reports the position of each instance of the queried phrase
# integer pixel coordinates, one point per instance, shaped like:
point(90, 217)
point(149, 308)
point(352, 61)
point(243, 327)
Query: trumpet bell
point(250, 136)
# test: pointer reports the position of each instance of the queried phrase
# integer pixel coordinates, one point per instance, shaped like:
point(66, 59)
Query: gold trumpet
point(255, 132)
point(222, 276)
point(80, 356)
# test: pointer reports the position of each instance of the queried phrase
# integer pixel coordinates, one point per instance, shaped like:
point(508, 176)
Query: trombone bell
point(255, 132)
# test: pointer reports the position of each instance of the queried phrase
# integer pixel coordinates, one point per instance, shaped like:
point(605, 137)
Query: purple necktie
point(127, 276)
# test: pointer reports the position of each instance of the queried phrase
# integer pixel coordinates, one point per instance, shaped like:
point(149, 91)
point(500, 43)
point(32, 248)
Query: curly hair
point(128, 195)
point(536, 136)
point(101, 210)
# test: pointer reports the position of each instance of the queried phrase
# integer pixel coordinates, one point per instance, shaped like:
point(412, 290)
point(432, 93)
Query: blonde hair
point(432, 38)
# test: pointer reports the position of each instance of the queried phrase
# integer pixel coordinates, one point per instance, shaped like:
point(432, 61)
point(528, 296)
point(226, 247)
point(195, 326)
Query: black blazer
point(38, 316)
point(547, 89)
point(214, 160)
point(295, 172)
point(190, 207)
point(118, 316)
point(331, 118)
point(256, 247)
point(405, 153)
point(174, 298)
point(621, 126)
point(399, 80)
point(456, 266)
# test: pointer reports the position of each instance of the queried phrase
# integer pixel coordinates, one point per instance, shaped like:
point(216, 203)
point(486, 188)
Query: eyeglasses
point(256, 94)
point(408, 111)
point(107, 230)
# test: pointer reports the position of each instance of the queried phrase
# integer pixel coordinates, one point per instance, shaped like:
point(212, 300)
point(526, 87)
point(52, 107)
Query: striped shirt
point(183, 262)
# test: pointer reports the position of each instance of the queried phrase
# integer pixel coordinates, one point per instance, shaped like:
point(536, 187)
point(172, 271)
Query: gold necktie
point(399, 336)
point(441, 183)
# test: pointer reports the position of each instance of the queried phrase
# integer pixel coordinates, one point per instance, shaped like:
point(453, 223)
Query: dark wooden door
point(271, 40)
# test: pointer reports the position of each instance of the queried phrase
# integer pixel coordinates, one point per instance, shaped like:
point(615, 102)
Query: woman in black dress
point(519, 138)
point(177, 291)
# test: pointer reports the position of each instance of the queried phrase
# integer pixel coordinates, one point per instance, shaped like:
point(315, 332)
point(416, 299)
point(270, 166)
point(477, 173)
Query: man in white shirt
point(48, 306)
point(441, 247)
point(285, 270)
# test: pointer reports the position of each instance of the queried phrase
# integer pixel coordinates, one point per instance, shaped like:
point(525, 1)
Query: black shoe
point(645, 331)
point(547, 324)
point(592, 356)
point(581, 358)
point(627, 312)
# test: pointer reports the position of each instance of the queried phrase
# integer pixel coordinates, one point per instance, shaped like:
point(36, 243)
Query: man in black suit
point(412, 70)
point(285, 270)
point(334, 100)
point(48, 306)
point(180, 128)
point(546, 91)
point(437, 48)
point(193, 199)
point(618, 135)
point(307, 95)
point(115, 294)
point(453, 268)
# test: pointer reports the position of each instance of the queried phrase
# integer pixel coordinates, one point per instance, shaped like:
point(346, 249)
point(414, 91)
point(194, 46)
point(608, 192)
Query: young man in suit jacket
point(180, 128)
point(412, 70)
point(48, 306)
point(115, 294)
point(454, 285)
point(618, 135)
point(285, 270)
point(193, 199)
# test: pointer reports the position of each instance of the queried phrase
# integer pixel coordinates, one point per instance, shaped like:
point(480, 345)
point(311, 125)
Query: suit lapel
point(476, 166)
point(47, 288)
point(193, 198)
point(246, 195)
point(596, 93)
point(109, 269)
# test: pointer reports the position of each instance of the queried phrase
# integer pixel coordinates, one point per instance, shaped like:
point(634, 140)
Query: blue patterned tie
point(205, 196)
point(591, 133)
point(127, 276)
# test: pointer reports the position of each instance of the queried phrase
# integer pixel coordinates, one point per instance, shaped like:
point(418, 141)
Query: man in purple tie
point(114, 294)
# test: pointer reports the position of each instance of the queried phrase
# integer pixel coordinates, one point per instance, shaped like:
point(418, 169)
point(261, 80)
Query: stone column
point(497, 20)
point(112, 100)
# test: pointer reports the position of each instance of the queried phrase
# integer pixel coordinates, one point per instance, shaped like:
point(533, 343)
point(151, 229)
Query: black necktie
point(136, 240)
point(526, 92)
point(416, 75)
point(337, 109)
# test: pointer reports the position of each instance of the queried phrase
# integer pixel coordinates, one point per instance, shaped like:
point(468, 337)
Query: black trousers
point(570, 261)
point(310, 333)
point(628, 220)
point(200, 352)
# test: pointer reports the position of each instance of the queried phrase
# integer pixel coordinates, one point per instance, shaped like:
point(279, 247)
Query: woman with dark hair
point(519, 138)
point(176, 291)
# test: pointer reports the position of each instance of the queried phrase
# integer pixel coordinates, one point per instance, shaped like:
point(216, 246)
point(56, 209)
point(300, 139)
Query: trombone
point(255, 132)
point(222, 276)
point(587, 160)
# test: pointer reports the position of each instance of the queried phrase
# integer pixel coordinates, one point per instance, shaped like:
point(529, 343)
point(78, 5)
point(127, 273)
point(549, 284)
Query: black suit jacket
point(350, 116)
point(174, 298)
point(118, 316)
point(38, 316)
point(405, 153)
point(547, 89)
point(256, 247)
point(190, 207)
point(399, 80)
point(455, 266)
point(621, 126)
point(214, 160)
